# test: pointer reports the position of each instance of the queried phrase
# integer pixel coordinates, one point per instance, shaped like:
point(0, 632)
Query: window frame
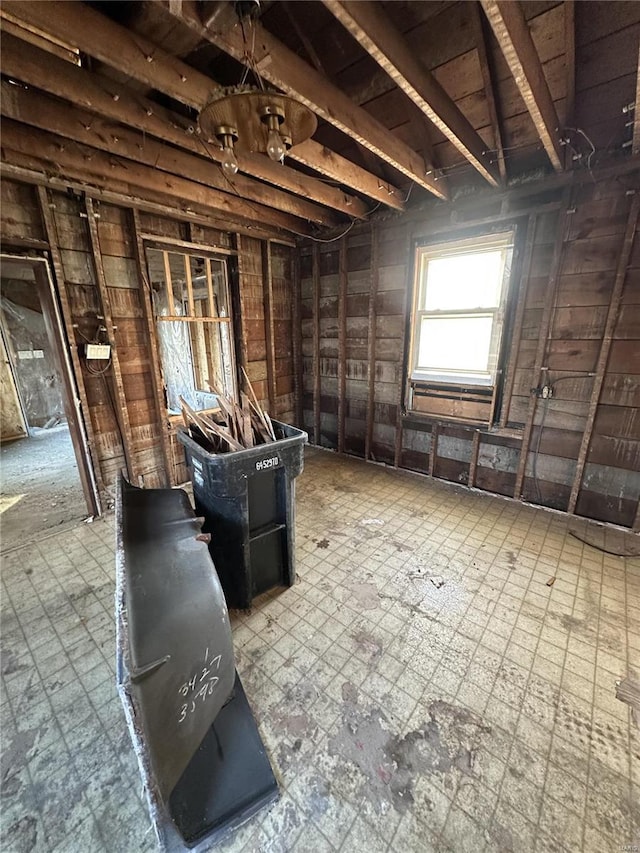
point(463, 388)
point(190, 317)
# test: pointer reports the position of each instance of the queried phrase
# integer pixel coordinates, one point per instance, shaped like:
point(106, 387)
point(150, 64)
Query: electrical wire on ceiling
point(578, 155)
point(328, 239)
point(250, 55)
point(299, 233)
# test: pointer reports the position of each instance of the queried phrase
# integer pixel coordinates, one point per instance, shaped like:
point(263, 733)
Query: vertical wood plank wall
point(21, 226)
point(596, 216)
point(352, 332)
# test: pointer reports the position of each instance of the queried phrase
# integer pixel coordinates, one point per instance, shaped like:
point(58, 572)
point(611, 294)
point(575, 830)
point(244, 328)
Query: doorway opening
point(46, 478)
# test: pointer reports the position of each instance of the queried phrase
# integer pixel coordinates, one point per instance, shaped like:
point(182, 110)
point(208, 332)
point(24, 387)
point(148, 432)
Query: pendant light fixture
point(245, 119)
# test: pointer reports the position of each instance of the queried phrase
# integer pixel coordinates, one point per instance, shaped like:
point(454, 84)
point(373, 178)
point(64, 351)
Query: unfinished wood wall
point(93, 248)
point(266, 312)
point(580, 450)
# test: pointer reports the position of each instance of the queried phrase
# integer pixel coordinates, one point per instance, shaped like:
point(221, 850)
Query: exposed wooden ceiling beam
point(369, 24)
point(570, 57)
point(289, 72)
point(37, 68)
point(38, 110)
point(321, 159)
point(488, 79)
point(514, 37)
point(30, 172)
point(116, 46)
point(570, 71)
point(81, 162)
point(304, 39)
point(129, 53)
point(29, 34)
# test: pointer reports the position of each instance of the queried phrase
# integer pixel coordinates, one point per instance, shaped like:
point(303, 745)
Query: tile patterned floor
point(480, 715)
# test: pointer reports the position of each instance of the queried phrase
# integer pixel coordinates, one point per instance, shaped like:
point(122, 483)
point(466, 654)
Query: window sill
point(481, 426)
point(461, 382)
point(425, 417)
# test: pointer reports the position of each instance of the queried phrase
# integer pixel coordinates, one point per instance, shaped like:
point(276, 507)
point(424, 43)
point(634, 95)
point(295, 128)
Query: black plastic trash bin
point(247, 499)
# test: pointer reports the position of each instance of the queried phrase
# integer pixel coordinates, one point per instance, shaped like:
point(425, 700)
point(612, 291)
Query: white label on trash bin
point(198, 478)
point(271, 462)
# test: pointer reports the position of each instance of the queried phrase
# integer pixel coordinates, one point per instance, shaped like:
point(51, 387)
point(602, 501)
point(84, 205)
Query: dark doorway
point(46, 478)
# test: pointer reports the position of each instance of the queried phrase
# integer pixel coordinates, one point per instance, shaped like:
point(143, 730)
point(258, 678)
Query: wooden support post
point(543, 334)
point(521, 301)
point(189, 283)
point(635, 144)
point(342, 342)
point(473, 464)
point(121, 412)
point(406, 310)
point(435, 433)
point(168, 280)
point(605, 347)
point(67, 316)
point(240, 336)
point(269, 327)
point(316, 343)
point(298, 373)
point(213, 308)
point(371, 338)
point(156, 375)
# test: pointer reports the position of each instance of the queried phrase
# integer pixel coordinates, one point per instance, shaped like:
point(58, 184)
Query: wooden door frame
point(60, 347)
point(11, 369)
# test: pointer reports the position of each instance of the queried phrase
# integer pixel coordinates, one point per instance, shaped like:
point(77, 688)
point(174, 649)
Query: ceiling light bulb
point(229, 162)
point(275, 146)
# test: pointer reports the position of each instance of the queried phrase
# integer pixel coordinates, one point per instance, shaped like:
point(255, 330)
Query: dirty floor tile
point(420, 687)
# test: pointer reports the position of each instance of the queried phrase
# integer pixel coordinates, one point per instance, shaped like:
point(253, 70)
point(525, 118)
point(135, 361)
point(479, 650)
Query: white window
point(460, 292)
point(191, 303)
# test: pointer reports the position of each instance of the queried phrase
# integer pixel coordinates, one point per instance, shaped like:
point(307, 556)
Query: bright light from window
point(455, 344)
point(458, 311)
point(7, 501)
point(463, 282)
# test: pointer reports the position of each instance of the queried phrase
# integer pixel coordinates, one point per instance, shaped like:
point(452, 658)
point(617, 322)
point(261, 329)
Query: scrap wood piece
point(209, 427)
point(551, 581)
point(260, 422)
point(262, 414)
point(246, 420)
point(260, 430)
point(270, 425)
point(226, 436)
